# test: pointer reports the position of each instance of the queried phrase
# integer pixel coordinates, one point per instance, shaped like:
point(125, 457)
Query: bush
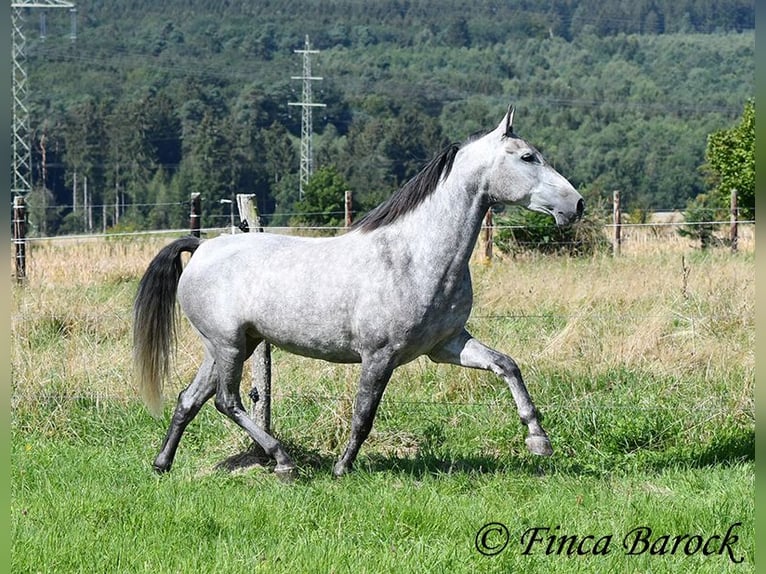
point(699, 211)
point(527, 231)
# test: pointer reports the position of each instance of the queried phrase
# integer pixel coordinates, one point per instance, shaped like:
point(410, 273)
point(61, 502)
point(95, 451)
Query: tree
point(457, 34)
point(130, 155)
point(205, 168)
point(730, 162)
point(365, 165)
point(280, 157)
point(85, 131)
point(204, 98)
point(323, 202)
point(411, 139)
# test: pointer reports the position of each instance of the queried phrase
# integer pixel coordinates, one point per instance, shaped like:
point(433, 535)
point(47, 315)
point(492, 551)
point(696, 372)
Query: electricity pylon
point(307, 105)
point(22, 151)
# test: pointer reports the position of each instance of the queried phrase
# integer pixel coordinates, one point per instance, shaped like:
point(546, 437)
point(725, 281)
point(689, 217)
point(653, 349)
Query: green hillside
point(155, 101)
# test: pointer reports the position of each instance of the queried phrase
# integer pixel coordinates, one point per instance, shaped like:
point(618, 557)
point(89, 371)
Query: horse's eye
point(528, 157)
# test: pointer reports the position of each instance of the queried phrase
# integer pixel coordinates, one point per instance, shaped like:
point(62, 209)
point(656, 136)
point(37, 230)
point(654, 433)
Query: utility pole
point(22, 154)
point(307, 105)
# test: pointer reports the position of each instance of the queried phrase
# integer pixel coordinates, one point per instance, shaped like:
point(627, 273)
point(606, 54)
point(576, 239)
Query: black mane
point(412, 193)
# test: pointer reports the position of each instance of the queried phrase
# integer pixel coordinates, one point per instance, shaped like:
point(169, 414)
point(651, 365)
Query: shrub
point(699, 212)
point(527, 231)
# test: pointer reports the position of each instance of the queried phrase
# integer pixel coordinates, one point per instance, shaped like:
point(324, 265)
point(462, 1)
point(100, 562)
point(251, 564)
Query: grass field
point(643, 368)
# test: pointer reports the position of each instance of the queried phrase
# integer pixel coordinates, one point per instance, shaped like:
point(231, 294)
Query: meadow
point(642, 366)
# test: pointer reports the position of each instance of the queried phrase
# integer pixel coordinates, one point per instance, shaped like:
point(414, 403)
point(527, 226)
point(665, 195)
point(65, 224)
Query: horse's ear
point(509, 121)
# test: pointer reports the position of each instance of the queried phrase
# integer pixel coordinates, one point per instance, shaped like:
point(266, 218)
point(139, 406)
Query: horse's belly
point(333, 354)
point(308, 334)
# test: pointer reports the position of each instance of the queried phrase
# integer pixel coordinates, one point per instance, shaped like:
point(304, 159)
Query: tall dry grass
point(667, 309)
point(71, 320)
point(642, 239)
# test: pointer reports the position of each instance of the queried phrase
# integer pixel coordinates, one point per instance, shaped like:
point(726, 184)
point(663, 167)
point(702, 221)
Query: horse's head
point(519, 175)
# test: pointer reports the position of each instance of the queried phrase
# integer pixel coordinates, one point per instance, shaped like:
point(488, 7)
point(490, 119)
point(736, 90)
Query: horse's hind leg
point(190, 400)
point(229, 364)
point(469, 352)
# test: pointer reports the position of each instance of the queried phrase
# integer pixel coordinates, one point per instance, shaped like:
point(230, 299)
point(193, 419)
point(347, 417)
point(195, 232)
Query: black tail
point(154, 320)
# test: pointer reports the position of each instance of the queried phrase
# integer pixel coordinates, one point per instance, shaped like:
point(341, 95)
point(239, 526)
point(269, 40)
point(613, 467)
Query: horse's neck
point(441, 233)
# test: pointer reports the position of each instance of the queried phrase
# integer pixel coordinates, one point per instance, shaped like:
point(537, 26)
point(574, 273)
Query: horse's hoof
point(340, 470)
point(286, 474)
point(539, 445)
point(161, 469)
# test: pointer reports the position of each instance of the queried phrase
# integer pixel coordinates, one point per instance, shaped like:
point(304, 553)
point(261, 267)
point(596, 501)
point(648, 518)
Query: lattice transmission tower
point(22, 151)
point(307, 105)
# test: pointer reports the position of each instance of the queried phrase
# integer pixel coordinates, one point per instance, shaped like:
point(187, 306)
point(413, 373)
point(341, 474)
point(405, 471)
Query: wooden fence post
point(260, 394)
point(195, 215)
point(20, 237)
point(348, 205)
point(733, 231)
point(88, 204)
point(248, 213)
point(617, 219)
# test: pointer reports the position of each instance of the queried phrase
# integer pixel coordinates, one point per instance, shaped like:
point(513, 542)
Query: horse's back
point(292, 291)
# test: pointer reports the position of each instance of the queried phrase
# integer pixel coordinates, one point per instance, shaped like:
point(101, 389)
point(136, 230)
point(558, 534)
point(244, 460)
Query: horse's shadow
point(725, 451)
point(312, 463)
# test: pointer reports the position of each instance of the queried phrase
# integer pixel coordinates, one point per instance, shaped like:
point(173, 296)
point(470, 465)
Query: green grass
point(644, 381)
point(84, 498)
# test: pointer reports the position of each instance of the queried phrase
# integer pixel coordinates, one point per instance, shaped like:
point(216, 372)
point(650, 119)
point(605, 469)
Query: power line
point(128, 58)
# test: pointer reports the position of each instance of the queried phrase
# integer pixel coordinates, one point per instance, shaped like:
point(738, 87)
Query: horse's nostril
point(580, 207)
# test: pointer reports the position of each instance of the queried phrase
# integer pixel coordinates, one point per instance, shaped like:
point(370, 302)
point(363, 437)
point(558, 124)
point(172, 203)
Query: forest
point(152, 102)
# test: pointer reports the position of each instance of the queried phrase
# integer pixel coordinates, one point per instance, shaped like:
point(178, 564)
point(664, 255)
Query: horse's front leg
point(466, 351)
point(374, 378)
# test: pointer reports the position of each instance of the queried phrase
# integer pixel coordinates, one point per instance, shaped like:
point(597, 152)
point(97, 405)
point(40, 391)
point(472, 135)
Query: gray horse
point(395, 287)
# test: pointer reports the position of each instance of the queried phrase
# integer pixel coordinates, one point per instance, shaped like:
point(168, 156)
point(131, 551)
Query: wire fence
point(634, 239)
point(101, 206)
point(297, 229)
point(638, 232)
point(697, 324)
point(505, 402)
